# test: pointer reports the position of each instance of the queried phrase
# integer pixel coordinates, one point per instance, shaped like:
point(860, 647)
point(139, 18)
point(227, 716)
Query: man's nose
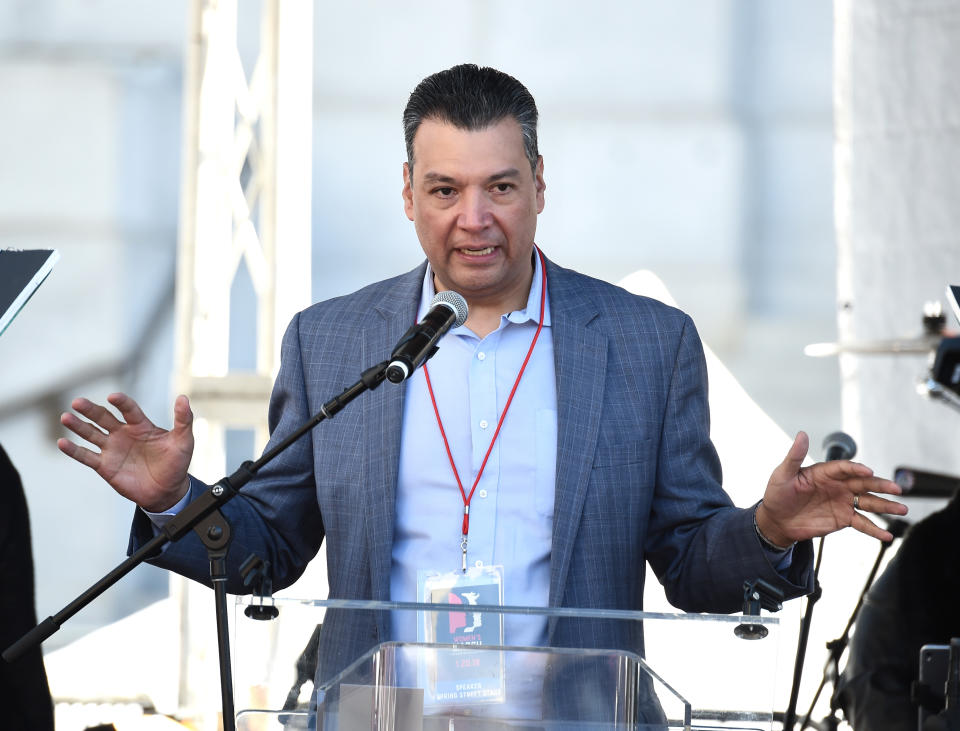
point(474, 210)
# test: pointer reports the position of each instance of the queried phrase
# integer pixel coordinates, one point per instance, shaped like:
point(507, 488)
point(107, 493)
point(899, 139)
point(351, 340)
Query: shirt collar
point(531, 312)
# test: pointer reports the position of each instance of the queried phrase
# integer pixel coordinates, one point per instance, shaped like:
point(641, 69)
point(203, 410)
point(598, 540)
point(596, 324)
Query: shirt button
point(482, 493)
point(481, 356)
point(483, 423)
point(478, 563)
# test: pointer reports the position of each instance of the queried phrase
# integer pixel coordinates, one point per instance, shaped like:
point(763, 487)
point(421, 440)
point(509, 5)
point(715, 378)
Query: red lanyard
point(468, 497)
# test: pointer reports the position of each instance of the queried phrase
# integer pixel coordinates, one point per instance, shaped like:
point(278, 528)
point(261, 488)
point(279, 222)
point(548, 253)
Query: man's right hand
point(141, 461)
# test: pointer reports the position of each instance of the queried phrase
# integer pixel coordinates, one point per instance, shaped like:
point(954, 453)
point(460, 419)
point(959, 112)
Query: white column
point(897, 106)
point(231, 123)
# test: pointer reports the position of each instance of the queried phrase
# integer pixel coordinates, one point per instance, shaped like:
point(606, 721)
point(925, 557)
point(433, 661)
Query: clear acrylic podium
point(696, 672)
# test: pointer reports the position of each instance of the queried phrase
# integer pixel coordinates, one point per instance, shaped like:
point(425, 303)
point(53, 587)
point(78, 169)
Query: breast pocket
point(617, 454)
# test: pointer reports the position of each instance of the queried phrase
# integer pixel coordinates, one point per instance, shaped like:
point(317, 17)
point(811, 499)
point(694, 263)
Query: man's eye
point(503, 187)
point(443, 192)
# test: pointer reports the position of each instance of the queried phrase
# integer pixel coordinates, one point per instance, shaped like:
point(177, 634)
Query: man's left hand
point(806, 502)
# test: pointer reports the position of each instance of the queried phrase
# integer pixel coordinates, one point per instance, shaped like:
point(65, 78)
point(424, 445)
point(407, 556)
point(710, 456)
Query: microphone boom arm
point(201, 515)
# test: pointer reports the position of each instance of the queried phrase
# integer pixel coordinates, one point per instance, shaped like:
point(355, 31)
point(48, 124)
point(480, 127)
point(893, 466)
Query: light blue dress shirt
point(511, 513)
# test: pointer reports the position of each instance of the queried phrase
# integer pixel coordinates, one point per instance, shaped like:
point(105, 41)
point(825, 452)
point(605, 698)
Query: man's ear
point(407, 191)
point(539, 183)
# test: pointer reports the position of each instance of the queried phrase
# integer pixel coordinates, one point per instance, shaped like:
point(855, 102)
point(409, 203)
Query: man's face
point(474, 202)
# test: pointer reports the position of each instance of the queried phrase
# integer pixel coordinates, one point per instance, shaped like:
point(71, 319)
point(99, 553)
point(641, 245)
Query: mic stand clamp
point(256, 573)
point(758, 595)
point(215, 534)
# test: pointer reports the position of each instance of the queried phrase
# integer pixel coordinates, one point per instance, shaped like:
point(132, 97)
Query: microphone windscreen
point(455, 301)
point(839, 445)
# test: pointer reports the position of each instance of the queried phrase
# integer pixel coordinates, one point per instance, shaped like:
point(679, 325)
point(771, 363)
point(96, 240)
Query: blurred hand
point(805, 502)
point(141, 461)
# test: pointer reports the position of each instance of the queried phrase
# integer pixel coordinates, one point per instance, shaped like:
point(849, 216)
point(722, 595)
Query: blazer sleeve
point(701, 547)
point(276, 516)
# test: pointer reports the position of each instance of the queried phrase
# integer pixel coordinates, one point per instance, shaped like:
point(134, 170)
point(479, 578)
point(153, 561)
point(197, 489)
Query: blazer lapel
point(381, 424)
point(580, 356)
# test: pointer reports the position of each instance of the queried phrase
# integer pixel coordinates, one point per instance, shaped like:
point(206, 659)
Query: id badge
point(464, 673)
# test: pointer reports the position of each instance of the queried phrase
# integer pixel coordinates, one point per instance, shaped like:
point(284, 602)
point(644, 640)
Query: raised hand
point(141, 461)
point(805, 502)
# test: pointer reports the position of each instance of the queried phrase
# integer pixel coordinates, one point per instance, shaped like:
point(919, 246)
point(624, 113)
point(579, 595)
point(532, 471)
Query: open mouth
point(478, 252)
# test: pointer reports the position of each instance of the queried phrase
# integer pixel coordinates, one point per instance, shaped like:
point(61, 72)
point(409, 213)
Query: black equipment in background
point(943, 382)
point(953, 298)
point(929, 690)
point(946, 364)
point(912, 604)
point(939, 682)
point(24, 693)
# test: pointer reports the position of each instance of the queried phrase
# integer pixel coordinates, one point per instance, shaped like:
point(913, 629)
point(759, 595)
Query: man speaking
point(557, 442)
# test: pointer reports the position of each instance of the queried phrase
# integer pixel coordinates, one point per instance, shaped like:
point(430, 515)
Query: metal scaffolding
point(245, 198)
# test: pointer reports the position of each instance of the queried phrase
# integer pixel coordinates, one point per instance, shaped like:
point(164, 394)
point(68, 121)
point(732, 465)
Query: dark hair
point(472, 97)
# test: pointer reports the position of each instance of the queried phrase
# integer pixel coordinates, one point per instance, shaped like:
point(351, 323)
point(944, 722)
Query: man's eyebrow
point(432, 177)
point(435, 177)
point(508, 173)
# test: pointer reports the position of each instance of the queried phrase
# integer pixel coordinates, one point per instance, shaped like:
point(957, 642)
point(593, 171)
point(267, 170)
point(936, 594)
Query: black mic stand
point(837, 445)
point(203, 517)
point(791, 715)
point(831, 670)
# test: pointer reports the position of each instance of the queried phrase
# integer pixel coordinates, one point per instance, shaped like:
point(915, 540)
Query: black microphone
point(448, 309)
point(920, 483)
point(838, 445)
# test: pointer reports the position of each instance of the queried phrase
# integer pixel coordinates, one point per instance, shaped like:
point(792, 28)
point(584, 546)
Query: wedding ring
point(856, 502)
